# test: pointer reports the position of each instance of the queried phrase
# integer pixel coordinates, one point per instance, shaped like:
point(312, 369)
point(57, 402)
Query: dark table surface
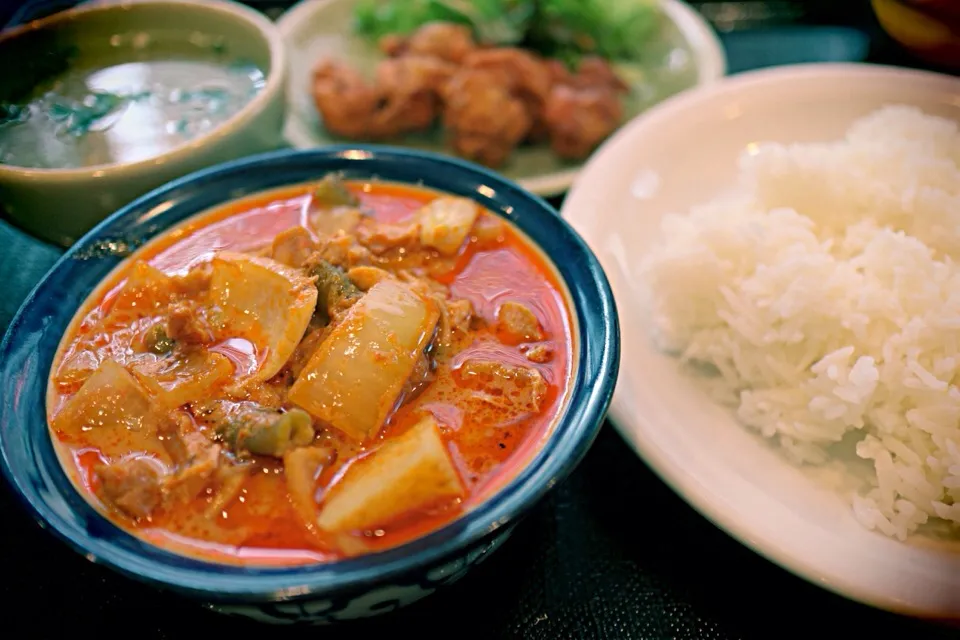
point(611, 553)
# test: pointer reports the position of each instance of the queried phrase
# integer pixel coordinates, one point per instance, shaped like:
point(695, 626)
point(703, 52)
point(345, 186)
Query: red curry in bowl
point(312, 373)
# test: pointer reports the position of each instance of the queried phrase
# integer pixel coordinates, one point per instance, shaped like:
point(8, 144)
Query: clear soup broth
point(127, 104)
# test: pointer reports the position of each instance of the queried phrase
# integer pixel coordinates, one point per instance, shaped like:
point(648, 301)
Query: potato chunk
point(355, 377)
point(412, 471)
point(265, 302)
point(112, 412)
point(446, 222)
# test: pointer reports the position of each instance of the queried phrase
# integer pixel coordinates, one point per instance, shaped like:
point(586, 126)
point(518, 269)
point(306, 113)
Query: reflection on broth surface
point(312, 374)
point(120, 111)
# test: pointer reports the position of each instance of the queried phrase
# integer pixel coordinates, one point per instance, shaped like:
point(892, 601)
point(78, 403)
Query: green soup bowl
point(115, 98)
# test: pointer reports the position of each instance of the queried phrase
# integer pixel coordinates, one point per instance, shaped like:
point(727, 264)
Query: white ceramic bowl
point(683, 152)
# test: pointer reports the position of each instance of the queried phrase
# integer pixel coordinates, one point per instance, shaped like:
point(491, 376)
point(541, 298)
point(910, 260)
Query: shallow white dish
point(682, 152)
point(313, 28)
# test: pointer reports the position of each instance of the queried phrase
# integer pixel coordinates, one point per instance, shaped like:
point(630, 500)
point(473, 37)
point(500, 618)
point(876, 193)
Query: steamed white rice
point(826, 295)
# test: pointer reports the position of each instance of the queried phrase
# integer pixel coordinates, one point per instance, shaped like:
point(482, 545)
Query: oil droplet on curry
point(315, 373)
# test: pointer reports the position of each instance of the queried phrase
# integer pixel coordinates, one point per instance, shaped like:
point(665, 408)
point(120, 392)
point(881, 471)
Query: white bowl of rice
point(784, 247)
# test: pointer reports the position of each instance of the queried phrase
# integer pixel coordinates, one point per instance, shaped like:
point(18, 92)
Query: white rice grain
point(826, 293)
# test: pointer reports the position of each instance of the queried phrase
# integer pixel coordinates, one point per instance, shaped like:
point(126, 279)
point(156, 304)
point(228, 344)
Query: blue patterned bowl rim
point(33, 470)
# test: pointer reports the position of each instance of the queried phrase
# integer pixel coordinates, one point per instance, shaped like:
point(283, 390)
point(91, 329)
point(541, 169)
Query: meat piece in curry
point(349, 381)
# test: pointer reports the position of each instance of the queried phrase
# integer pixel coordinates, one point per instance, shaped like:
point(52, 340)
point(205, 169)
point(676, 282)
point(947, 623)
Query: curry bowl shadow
point(347, 588)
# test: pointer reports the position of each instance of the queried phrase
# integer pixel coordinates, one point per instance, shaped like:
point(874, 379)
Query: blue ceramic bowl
point(350, 588)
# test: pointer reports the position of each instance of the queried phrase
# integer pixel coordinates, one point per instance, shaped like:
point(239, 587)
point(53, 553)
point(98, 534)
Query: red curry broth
point(260, 526)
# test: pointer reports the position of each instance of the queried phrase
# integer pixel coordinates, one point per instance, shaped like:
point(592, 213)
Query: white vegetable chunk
point(354, 379)
point(112, 412)
point(330, 222)
point(146, 289)
point(265, 302)
point(446, 222)
point(412, 471)
point(178, 379)
point(301, 466)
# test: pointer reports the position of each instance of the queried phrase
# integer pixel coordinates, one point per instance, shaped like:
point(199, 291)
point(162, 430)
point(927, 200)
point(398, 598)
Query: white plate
point(686, 53)
point(682, 152)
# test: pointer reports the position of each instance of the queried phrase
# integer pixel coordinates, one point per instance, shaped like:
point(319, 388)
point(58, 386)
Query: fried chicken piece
point(558, 71)
point(393, 45)
point(443, 40)
point(403, 98)
point(413, 74)
point(580, 119)
point(410, 89)
point(596, 73)
point(524, 75)
point(520, 71)
point(483, 119)
point(593, 72)
point(583, 107)
point(494, 100)
point(345, 100)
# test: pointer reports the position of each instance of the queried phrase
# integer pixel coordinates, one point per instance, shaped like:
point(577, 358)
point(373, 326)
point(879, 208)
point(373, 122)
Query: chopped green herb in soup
point(124, 112)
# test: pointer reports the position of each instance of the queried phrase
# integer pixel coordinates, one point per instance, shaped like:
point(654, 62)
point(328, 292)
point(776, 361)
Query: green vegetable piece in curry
point(331, 192)
point(157, 341)
point(335, 290)
point(265, 432)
